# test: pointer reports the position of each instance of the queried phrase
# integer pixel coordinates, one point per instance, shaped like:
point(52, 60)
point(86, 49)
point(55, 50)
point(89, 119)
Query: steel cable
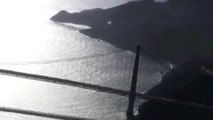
point(97, 88)
point(40, 114)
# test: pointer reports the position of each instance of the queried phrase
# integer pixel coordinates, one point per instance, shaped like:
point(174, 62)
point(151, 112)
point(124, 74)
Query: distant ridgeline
point(173, 31)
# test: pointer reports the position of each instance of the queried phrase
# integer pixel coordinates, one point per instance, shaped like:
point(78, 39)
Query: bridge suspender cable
point(132, 93)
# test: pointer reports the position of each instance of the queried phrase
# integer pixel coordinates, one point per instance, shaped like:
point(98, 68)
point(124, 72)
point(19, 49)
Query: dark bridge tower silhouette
point(130, 113)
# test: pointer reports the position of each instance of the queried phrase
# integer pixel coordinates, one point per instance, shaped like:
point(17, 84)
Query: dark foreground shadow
point(190, 82)
point(173, 31)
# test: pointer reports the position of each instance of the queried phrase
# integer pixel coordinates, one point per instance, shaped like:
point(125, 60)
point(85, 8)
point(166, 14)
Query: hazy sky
point(160, 0)
point(78, 5)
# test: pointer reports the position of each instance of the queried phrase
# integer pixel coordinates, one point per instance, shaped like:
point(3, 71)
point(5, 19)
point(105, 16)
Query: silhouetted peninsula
point(175, 30)
point(189, 82)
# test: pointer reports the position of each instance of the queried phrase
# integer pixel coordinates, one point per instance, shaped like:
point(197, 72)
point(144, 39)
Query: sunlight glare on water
point(22, 25)
point(27, 34)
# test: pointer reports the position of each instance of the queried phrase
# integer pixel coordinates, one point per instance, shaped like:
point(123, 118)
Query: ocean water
point(28, 37)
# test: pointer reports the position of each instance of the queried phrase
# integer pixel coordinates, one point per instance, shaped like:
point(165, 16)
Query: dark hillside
point(172, 31)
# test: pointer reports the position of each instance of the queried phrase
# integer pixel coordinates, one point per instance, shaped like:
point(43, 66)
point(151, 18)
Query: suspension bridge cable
point(67, 82)
point(97, 88)
point(40, 114)
point(61, 60)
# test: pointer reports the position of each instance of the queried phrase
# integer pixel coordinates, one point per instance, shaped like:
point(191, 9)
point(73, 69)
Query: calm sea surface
point(29, 37)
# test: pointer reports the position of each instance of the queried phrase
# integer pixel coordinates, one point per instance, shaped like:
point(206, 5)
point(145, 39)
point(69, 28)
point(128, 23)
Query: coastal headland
point(172, 31)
